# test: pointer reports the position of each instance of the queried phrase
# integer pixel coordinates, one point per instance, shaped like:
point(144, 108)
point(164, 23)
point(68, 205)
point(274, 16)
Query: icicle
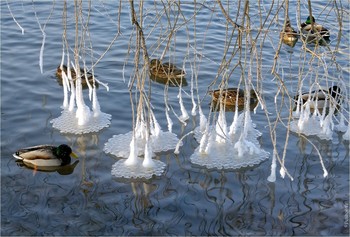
point(184, 115)
point(202, 120)
point(156, 126)
point(211, 141)
point(168, 119)
point(42, 52)
point(234, 125)
point(88, 83)
point(204, 142)
point(194, 105)
point(148, 161)
point(83, 112)
point(65, 83)
point(132, 160)
point(221, 126)
point(95, 105)
point(272, 177)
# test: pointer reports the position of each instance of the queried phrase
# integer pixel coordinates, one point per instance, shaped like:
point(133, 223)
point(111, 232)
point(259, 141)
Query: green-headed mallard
point(166, 71)
point(45, 155)
point(73, 74)
point(321, 96)
point(317, 34)
point(289, 35)
point(229, 97)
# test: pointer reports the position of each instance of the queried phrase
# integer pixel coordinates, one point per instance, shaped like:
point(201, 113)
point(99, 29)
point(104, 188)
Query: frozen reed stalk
point(13, 17)
point(234, 124)
point(95, 104)
point(179, 143)
point(203, 123)
point(221, 126)
point(194, 105)
point(184, 116)
point(168, 119)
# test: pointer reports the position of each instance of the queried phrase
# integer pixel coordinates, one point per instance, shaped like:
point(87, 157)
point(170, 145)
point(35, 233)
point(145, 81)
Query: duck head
point(308, 20)
point(63, 152)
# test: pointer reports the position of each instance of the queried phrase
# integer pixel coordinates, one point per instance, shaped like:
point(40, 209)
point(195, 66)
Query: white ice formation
point(80, 119)
point(318, 122)
point(224, 147)
point(140, 143)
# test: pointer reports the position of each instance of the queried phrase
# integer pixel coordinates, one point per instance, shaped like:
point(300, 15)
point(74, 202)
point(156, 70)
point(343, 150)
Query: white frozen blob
point(231, 147)
point(144, 143)
point(80, 119)
point(314, 116)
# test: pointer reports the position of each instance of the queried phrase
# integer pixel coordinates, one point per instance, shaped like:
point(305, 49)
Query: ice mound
point(68, 123)
point(77, 117)
point(315, 123)
point(312, 127)
point(118, 145)
point(224, 147)
point(146, 140)
point(122, 170)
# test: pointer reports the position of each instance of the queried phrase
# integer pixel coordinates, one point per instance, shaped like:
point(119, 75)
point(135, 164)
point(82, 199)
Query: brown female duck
point(230, 100)
point(289, 35)
point(166, 72)
point(82, 73)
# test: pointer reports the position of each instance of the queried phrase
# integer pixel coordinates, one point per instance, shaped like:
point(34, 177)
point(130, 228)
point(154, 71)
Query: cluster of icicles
point(319, 122)
point(76, 116)
point(143, 141)
point(220, 146)
point(228, 147)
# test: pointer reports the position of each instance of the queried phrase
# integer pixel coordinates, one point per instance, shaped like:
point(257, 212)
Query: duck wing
point(35, 152)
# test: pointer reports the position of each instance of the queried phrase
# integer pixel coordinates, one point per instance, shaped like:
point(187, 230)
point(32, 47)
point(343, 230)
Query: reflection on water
point(62, 170)
point(186, 199)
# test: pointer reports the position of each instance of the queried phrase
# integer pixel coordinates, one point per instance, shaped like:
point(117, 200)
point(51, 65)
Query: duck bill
point(74, 155)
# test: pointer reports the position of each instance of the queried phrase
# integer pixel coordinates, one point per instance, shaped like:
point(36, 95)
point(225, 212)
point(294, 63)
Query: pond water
point(187, 199)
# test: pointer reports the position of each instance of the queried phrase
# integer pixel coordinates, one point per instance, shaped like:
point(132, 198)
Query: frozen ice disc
point(225, 156)
point(311, 127)
point(119, 145)
point(68, 123)
point(121, 170)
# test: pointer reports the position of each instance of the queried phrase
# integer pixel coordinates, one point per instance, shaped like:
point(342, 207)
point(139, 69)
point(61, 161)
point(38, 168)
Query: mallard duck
point(289, 35)
point(229, 97)
point(317, 34)
point(82, 73)
point(45, 155)
point(322, 96)
point(167, 71)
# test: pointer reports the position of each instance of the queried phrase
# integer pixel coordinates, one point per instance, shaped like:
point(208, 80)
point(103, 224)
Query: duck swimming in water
point(74, 77)
point(314, 34)
point(319, 98)
point(229, 97)
point(289, 35)
point(45, 155)
point(166, 71)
